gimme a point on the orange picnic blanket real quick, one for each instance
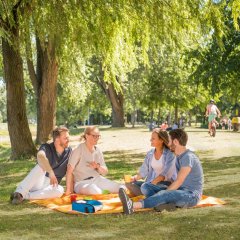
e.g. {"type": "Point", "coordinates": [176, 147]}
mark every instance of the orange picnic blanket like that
{"type": "Point", "coordinates": [111, 203]}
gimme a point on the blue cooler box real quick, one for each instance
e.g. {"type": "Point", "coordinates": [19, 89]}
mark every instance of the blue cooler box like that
{"type": "Point", "coordinates": [87, 206]}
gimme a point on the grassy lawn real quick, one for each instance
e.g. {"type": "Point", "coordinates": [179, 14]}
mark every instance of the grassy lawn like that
{"type": "Point", "coordinates": [222, 177]}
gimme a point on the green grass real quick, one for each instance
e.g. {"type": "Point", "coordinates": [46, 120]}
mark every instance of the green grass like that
{"type": "Point", "coordinates": [222, 177]}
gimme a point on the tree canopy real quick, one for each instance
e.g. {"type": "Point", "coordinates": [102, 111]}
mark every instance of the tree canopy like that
{"type": "Point", "coordinates": [154, 55]}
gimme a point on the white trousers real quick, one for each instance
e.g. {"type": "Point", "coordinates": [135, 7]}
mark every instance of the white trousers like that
{"type": "Point", "coordinates": [96, 185]}
{"type": "Point", "coordinates": [37, 186]}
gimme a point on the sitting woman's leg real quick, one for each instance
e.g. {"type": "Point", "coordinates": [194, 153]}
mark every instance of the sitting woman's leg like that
{"type": "Point", "coordinates": [87, 187]}
{"type": "Point", "coordinates": [106, 184]}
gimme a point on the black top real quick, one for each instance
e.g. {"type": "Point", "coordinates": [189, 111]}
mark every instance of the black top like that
{"type": "Point", "coordinates": [58, 163]}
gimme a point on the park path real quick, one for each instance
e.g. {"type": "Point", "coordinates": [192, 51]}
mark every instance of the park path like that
{"type": "Point", "coordinates": [138, 140]}
{"type": "Point", "coordinates": [4, 139]}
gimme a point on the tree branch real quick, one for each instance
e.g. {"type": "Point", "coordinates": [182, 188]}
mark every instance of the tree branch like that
{"type": "Point", "coordinates": [173, 10]}
{"type": "Point", "coordinates": [32, 74]}
{"type": "Point", "coordinates": [17, 5]}
{"type": "Point", "coordinates": [15, 9]}
{"type": "Point", "coordinates": [102, 85]}
{"type": "Point", "coordinates": [2, 22]}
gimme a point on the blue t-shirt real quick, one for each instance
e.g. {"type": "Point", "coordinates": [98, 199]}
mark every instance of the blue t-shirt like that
{"type": "Point", "coordinates": [194, 180]}
{"type": "Point", "coordinates": [58, 163]}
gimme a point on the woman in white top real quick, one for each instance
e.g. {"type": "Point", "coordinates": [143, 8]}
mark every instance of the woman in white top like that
{"type": "Point", "coordinates": [158, 167]}
{"type": "Point", "coordinates": [86, 167]}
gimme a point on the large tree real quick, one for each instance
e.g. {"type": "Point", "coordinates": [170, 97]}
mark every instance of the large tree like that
{"type": "Point", "coordinates": [20, 135]}
{"type": "Point", "coordinates": [50, 31]}
{"type": "Point", "coordinates": [44, 81]}
{"type": "Point", "coordinates": [118, 32]}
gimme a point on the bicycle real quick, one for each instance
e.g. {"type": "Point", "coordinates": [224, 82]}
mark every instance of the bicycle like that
{"type": "Point", "coordinates": [213, 126]}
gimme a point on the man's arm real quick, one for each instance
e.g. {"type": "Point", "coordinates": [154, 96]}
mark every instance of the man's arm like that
{"type": "Point", "coordinates": [69, 180]}
{"type": "Point", "coordinates": [183, 173]}
{"type": "Point", "coordinates": [45, 165]}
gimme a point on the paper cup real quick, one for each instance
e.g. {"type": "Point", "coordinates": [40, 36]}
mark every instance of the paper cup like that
{"type": "Point", "coordinates": [127, 178]}
{"type": "Point", "coordinates": [73, 197]}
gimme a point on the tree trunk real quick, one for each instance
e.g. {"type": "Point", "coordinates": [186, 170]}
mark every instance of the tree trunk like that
{"type": "Point", "coordinates": [190, 120]}
{"type": "Point", "coordinates": [133, 118]}
{"type": "Point", "coordinates": [47, 91]}
{"type": "Point", "coordinates": [176, 114]}
{"type": "Point", "coordinates": [169, 119]}
{"type": "Point", "coordinates": [45, 85]}
{"type": "Point", "coordinates": [159, 116]}
{"type": "Point", "coordinates": [19, 132]}
{"type": "Point", "coordinates": [116, 100]}
{"type": "Point", "coordinates": [151, 116]}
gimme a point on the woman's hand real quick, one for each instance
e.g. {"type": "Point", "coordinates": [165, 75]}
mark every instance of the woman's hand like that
{"type": "Point", "coordinates": [67, 192]}
{"type": "Point", "coordinates": [94, 165]}
{"type": "Point", "coordinates": [134, 178]}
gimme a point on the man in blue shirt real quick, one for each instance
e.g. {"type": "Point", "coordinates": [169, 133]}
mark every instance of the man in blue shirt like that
{"type": "Point", "coordinates": [185, 191]}
{"type": "Point", "coordinates": [43, 180]}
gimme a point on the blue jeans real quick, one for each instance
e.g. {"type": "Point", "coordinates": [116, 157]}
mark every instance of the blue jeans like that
{"type": "Point", "coordinates": [180, 197]}
{"type": "Point", "coordinates": [149, 189]}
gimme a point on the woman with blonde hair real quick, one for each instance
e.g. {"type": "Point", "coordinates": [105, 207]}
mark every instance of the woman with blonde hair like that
{"type": "Point", "coordinates": [158, 168]}
{"type": "Point", "coordinates": [86, 167]}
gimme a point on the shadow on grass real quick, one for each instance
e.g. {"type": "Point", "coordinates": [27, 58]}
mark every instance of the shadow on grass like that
{"type": "Point", "coordinates": [230, 192]}
{"type": "Point", "coordinates": [222, 177]}
{"type": "Point", "coordinates": [12, 173]}
{"type": "Point", "coordinates": [214, 165]}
